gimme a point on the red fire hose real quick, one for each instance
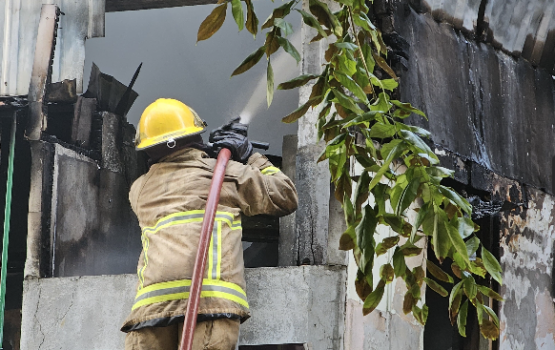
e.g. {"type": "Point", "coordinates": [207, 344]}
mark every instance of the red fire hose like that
{"type": "Point", "coordinates": [202, 251]}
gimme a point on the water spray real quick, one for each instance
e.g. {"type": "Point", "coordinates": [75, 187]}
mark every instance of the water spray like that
{"type": "Point", "coordinates": [280, 63]}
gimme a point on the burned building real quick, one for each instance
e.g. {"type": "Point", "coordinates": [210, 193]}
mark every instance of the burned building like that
{"type": "Point", "coordinates": [481, 70]}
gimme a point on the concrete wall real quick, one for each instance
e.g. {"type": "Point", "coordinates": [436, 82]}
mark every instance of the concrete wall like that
{"type": "Point", "coordinates": [288, 305]}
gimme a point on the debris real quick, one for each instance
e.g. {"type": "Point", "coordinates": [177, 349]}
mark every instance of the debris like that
{"type": "Point", "coordinates": [108, 91]}
{"type": "Point", "coordinates": [62, 92]}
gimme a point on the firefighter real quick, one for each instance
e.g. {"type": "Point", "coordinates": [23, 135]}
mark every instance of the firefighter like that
{"type": "Point", "coordinates": [169, 202]}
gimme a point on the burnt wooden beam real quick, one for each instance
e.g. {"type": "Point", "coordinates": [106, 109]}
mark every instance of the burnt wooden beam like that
{"type": "Point", "coordinates": [131, 5]}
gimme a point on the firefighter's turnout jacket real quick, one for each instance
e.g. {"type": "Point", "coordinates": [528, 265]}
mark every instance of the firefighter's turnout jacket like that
{"type": "Point", "coordinates": [169, 202]}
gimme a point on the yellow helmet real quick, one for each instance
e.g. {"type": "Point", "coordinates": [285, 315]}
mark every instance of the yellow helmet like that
{"type": "Point", "coordinates": [165, 120]}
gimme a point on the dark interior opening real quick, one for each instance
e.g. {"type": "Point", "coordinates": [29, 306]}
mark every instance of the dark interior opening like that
{"type": "Point", "coordinates": [439, 334]}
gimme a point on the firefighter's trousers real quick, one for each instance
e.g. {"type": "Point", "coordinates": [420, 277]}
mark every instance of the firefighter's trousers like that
{"type": "Point", "coordinates": [219, 334]}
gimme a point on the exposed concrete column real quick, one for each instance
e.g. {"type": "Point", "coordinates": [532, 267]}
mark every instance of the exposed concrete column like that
{"type": "Point", "coordinates": [313, 219]}
{"type": "Point", "coordinates": [288, 246]}
{"type": "Point", "coordinates": [41, 163]}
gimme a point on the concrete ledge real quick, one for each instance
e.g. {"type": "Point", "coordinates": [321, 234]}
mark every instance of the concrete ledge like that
{"type": "Point", "coordinates": [288, 305]}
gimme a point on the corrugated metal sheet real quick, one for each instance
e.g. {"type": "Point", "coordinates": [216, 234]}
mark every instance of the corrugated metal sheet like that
{"type": "Point", "coordinates": [18, 32]}
{"type": "Point", "coordinates": [520, 27]}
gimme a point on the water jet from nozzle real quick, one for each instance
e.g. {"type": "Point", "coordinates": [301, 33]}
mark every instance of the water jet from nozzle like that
{"type": "Point", "coordinates": [280, 64]}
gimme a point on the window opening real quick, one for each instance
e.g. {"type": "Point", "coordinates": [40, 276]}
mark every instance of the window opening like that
{"type": "Point", "coordinates": [439, 334]}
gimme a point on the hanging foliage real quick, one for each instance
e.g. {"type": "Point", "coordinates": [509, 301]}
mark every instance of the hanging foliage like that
{"type": "Point", "coordinates": [353, 104]}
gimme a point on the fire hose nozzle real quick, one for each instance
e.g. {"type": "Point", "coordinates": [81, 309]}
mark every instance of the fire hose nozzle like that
{"type": "Point", "coordinates": [260, 145]}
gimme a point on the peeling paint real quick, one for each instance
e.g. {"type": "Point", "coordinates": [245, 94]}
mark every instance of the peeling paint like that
{"type": "Point", "coordinates": [545, 330]}
{"type": "Point", "coordinates": [527, 239]}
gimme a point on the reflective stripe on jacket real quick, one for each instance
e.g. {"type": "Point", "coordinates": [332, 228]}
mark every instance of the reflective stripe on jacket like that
{"type": "Point", "coordinates": [169, 202]}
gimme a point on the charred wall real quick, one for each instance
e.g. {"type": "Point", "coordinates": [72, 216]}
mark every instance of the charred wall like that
{"type": "Point", "coordinates": [482, 104]}
{"type": "Point", "coordinates": [492, 119]}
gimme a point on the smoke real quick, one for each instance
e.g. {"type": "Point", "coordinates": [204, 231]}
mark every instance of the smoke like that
{"type": "Point", "coordinates": [280, 65]}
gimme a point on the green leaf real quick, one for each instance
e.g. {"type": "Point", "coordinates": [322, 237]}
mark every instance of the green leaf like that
{"type": "Point", "coordinates": [346, 46]}
{"type": "Point", "coordinates": [387, 274]}
{"type": "Point", "coordinates": [364, 22]}
{"type": "Point", "coordinates": [297, 113]}
{"type": "Point", "coordinates": [382, 130]}
{"type": "Point", "coordinates": [407, 196]}
{"type": "Point", "coordinates": [351, 85]}
{"type": "Point", "coordinates": [492, 314]}
{"type": "Point", "coordinates": [311, 21]}
{"type": "Point", "coordinates": [368, 57]}
{"type": "Point", "coordinates": [394, 153]}
{"type": "Point", "coordinates": [237, 11]}
{"type": "Point", "coordinates": [437, 272]}
{"type": "Point", "coordinates": [289, 48]}
{"type": "Point", "coordinates": [492, 265]}
{"type": "Point", "coordinates": [386, 244]}
{"type": "Point", "coordinates": [325, 17]}
{"type": "Point", "coordinates": [472, 245]}
{"type": "Point", "coordinates": [271, 43]}
{"type": "Point", "coordinates": [296, 82]}
{"type": "Point", "coordinates": [252, 20]}
{"type": "Point", "coordinates": [420, 131]}
{"type": "Point", "coordinates": [269, 84]}
{"type": "Point", "coordinates": [460, 261]}
{"type": "Point", "coordinates": [439, 173]}
{"type": "Point", "coordinates": [212, 23]}
{"type": "Point", "coordinates": [250, 61]}
{"type": "Point", "coordinates": [347, 240]}
{"type": "Point", "coordinates": [365, 238]}
{"type": "Point", "coordinates": [421, 315]}
{"type": "Point", "coordinates": [279, 12]}
{"type": "Point", "coordinates": [381, 194]}
{"type": "Point", "coordinates": [345, 65]}
{"type": "Point", "coordinates": [389, 84]}
{"type": "Point", "coordinates": [399, 264]}
{"type": "Point", "coordinates": [361, 191]}
{"type": "Point", "coordinates": [436, 226]}
{"type": "Point", "coordinates": [470, 287]}
{"type": "Point", "coordinates": [436, 287]}
{"type": "Point", "coordinates": [457, 241]}
{"type": "Point", "coordinates": [455, 198]}
{"type": "Point", "coordinates": [408, 107]}
{"type": "Point", "coordinates": [286, 27]}
{"type": "Point", "coordinates": [383, 65]}
{"type": "Point", "coordinates": [372, 300]}
{"type": "Point", "coordinates": [382, 103]}
{"type": "Point", "coordinates": [417, 142]}
{"type": "Point", "coordinates": [422, 213]}
{"type": "Point", "coordinates": [394, 221]}
{"type": "Point", "coordinates": [461, 319]}
{"type": "Point", "coordinates": [457, 290]}
{"type": "Point", "coordinates": [346, 2]}
{"type": "Point", "coordinates": [362, 119]}
{"type": "Point", "coordinates": [346, 101]}
{"type": "Point", "coordinates": [489, 293]}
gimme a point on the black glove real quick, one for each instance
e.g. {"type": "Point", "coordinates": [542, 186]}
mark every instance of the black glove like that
{"type": "Point", "coordinates": [233, 136]}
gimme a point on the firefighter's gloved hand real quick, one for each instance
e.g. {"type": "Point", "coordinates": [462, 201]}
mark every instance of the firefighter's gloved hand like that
{"type": "Point", "coordinates": [233, 136]}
